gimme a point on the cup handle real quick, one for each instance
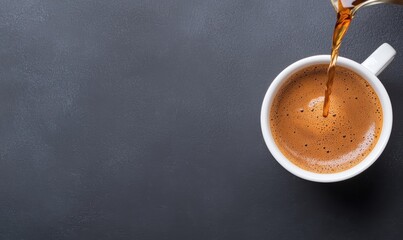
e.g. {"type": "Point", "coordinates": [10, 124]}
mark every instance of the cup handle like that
{"type": "Point", "coordinates": [380, 59]}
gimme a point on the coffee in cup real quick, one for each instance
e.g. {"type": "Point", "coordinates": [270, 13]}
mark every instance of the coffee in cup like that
{"type": "Point", "coordinates": [355, 133]}
{"type": "Point", "coordinates": [325, 144]}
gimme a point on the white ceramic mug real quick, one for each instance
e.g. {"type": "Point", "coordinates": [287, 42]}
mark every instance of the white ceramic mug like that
{"type": "Point", "coordinates": [369, 70]}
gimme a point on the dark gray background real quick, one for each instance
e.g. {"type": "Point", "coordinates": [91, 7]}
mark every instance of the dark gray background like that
{"type": "Point", "coordinates": [140, 120]}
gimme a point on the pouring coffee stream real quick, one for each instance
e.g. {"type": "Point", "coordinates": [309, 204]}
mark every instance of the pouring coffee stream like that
{"type": "Point", "coordinates": [346, 10]}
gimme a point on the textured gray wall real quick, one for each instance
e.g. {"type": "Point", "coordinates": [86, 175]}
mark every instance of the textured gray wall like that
{"type": "Point", "coordinates": [139, 119]}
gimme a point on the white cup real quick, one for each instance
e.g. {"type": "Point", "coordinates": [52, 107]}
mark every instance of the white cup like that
{"type": "Point", "coordinates": [369, 70]}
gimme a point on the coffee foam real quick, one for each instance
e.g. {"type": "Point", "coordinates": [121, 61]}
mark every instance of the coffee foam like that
{"type": "Point", "coordinates": [337, 142]}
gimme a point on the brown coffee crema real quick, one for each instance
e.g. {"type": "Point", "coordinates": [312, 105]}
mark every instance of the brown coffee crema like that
{"type": "Point", "coordinates": [326, 144]}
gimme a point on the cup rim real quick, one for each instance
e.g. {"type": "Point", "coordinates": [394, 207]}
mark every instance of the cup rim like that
{"type": "Point", "coordinates": [368, 160]}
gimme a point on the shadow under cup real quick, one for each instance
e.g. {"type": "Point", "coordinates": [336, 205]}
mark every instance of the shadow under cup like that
{"type": "Point", "coordinates": [355, 67]}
